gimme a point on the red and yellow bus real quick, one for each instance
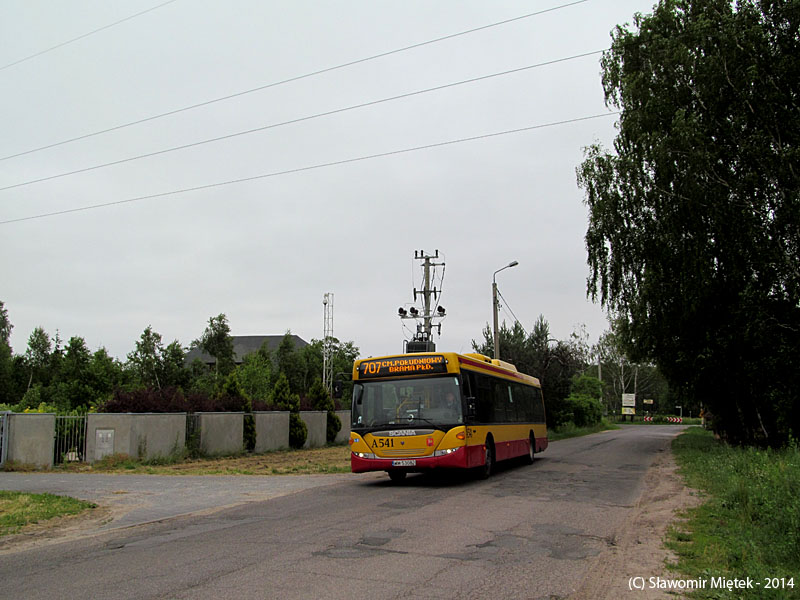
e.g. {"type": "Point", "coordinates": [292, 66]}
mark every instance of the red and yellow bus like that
{"type": "Point", "coordinates": [416, 412]}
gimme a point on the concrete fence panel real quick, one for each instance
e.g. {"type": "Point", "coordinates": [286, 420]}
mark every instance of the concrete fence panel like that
{"type": "Point", "coordinates": [317, 423]}
{"type": "Point", "coordinates": [221, 433]}
{"type": "Point", "coordinates": [344, 432]}
{"type": "Point", "coordinates": [31, 439]}
{"type": "Point", "coordinates": [159, 435]}
{"type": "Point", "coordinates": [139, 435]}
{"type": "Point", "coordinates": [272, 430]}
{"type": "Point", "coordinates": [109, 433]}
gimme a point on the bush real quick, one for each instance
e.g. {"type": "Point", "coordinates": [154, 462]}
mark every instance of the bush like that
{"type": "Point", "coordinates": [298, 431]}
{"type": "Point", "coordinates": [319, 397]}
{"type": "Point", "coordinates": [585, 410]}
{"type": "Point", "coordinates": [147, 400]}
{"type": "Point", "coordinates": [334, 426]}
{"type": "Point", "coordinates": [249, 432]}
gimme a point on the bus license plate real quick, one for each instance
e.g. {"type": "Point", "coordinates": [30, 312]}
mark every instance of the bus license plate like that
{"type": "Point", "coordinates": [404, 463]}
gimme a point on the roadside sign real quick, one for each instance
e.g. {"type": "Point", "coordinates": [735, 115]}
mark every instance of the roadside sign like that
{"type": "Point", "coordinates": [627, 410]}
{"type": "Point", "coordinates": [648, 401]}
{"type": "Point", "coordinates": [628, 399]}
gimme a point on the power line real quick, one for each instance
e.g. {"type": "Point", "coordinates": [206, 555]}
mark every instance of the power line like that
{"type": "Point", "coordinates": [291, 79]}
{"type": "Point", "coordinates": [85, 35]}
{"type": "Point", "coordinates": [298, 120]}
{"type": "Point", "coordinates": [308, 168]}
{"type": "Point", "coordinates": [506, 306]}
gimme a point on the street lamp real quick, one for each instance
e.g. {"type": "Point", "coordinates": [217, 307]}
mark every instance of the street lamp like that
{"type": "Point", "coordinates": [495, 307]}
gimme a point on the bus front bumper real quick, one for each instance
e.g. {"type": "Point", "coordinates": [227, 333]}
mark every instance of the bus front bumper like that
{"type": "Point", "coordinates": [457, 459]}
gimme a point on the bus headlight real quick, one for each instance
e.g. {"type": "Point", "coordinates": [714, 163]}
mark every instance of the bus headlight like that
{"type": "Point", "coordinates": [444, 452]}
{"type": "Point", "coordinates": [364, 454]}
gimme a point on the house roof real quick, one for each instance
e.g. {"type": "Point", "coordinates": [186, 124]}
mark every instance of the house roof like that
{"type": "Point", "coordinates": [244, 345]}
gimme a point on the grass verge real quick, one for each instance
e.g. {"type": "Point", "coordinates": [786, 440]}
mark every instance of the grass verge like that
{"type": "Point", "coordinates": [310, 461]}
{"type": "Point", "coordinates": [749, 523]}
{"type": "Point", "coordinates": [18, 509]}
{"type": "Point", "coordinates": [569, 430]}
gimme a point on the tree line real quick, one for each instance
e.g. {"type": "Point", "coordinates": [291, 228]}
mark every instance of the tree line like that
{"type": "Point", "coordinates": [693, 239]}
{"type": "Point", "coordinates": [65, 377]}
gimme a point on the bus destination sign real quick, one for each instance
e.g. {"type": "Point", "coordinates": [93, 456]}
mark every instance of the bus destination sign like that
{"type": "Point", "coordinates": [411, 365]}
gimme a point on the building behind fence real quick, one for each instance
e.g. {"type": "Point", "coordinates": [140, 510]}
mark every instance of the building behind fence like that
{"type": "Point", "coordinates": [44, 440]}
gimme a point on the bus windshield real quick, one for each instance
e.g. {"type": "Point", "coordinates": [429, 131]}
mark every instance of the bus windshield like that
{"type": "Point", "coordinates": [431, 401]}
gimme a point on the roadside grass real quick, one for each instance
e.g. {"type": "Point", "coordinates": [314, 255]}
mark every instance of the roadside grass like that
{"type": "Point", "coordinates": [309, 461]}
{"type": "Point", "coordinates": [749, 523]}
{"type": "Point", "coordinates": [569, 430]}
{"type": "Point", "coordinates": [18, 509]}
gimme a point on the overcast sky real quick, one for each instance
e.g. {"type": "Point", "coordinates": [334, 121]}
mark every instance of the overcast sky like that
{"type": "Point", "coordinates": [265, 251]}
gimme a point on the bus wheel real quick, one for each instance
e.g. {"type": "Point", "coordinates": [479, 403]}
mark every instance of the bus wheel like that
{"type": "Point", "coordinates": [397, 475]}
{"type": "Point", "coordinates": [531, 450]}
{"type": "Point", "coordinates": [488, 460]}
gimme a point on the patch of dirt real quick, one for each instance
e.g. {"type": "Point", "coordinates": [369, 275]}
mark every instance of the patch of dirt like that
{"type": "Point", "coordinates": [312, 460]}
{"type": "Point", "coordinates": [283, 462]}
{"type": "Point", "coordinates": [64, 528]}
{"type": "Point", "coordinates": [639, 550]}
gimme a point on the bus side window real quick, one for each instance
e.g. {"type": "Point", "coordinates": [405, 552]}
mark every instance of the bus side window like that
{"type": "Point", "coordinates": [469, 391]}
{"type": "Point", "coordinates": [484, 396]}
{"type": "Point", "coordinates": [501, 403]}
{"type": "Point", "coordinates": [538, 406]}
{"type": "Point", "coordinates": [526, 404]}
{"type": "Point", "coordinates": [517, 402]}
{"type": "Point", "coordinates": [468, 384]}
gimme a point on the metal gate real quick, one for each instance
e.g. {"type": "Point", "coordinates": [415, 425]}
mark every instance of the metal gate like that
{"type": "Point", "coordinates": [4, 419]}
{"type": "Point", "coordinates": [70, 440]}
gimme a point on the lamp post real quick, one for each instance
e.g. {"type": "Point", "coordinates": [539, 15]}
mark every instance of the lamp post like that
{"type": "Point", "coordinates": [495, 306]}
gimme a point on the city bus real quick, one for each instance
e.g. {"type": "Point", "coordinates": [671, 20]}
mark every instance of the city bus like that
{"type": "Point", "coordinates": [417, 412]}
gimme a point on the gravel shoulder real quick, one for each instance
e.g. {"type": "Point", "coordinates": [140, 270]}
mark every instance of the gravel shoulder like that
{"type": "Point", "coordinates": [638, 548]}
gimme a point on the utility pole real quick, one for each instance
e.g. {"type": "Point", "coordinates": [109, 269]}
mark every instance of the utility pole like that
{"type": "Point", "coordinates": [327, 343]}
{"type": "Point", "coordinates": [426, 292]}
{"type": "Point", "coordinates": [423, 339]}
{"type": "Point", "coordinates": [496, 307]}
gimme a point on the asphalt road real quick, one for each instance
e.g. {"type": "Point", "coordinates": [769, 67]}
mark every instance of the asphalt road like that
{"type": "Point", "coordinates": [527, 532]}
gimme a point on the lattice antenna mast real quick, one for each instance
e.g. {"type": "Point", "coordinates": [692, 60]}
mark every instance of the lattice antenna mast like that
{"type": "Point", "coordinates": [327, 342]}
{"type": "Point", "coordinates": [423, 338]}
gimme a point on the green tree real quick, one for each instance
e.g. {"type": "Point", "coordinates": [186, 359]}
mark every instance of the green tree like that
{"type": "Point", "coordinates": [5, 325]}
{"type": "Point", "coordinates": [291, 363]}
{"type": "Point", "coordinates": [7, 391]}
{"type": "Point", "coordinates": [105, 374]}
{"type": "Point", "coordinates": [254, 375]}
{"type": "Point", "coordinates": [38, 357]}
{"type": "Point", "coordinates": [173, 371]}
{"type": "Point", "coordinates": [145, 360]}
{"type": "Point", "coordinates": [218, 342]}
{"type": "Point", "coordinates": [342, 357]}
{"type": "Point", "coordinates": [282, 396]}
{"type": "Point", "coordinates": [71, 388]}
{"type": "Point", "coordinates": [693, 238]}
{"type": "Point", "coordinates": [284, 399]}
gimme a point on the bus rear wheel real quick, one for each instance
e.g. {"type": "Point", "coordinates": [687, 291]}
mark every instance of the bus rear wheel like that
{"type": "Point", "coordinates": [488, 460]}
{"type": "Point", "coordinates": [531, 450]}
{"type": "Point", "coordinates": [397, 476]}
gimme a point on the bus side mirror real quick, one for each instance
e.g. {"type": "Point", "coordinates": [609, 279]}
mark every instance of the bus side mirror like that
{"type": "Point", "coordinates": [471, 408]}
{"type": "Point", "coordinates": [337, 389]}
